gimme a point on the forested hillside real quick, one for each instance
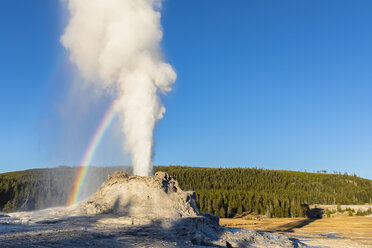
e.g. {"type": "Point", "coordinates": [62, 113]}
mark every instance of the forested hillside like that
{"type": "Point", "coordinates": [41, 188]}
{"type": "Point", "coordinates": [224, 192]}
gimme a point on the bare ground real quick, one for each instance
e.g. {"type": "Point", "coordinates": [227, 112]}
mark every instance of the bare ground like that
{"type": "Point", "coordinates": [338, 231]}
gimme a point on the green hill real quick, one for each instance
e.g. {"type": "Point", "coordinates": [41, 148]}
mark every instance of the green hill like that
{"type": "Point", "coordinates": [226, 192]}
{"type": "Point", "coordinates": [223, 192]}
{"type": "Point", "coordinates": [41, 188]}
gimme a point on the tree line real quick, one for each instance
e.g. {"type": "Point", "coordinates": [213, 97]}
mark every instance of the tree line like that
{"type": "Point", "coordinates": [42, 188]}
{"type": "Point", "coordinates": [231, 191]}
{"type": "Point", "coordinates": [223, 192]}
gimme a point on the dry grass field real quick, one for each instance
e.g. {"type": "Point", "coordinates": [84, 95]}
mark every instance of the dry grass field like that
{"type": "Point", "coordinates": [337, 231]}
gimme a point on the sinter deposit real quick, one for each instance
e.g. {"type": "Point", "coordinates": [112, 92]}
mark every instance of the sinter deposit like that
{"type": "Point", "coordinates": [157, 197]}
{"type": "Point", "coordinates": [131, 211]}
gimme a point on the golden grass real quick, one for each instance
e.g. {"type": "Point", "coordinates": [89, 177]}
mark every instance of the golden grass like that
{"type": "Point", "coordinates": [354, 231]}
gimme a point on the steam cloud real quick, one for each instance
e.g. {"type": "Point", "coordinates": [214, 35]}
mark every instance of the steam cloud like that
{"type": "Point", "coordinates": [116, 44]}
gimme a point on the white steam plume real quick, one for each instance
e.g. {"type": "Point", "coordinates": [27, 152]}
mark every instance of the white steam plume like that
{"type": "Point", "coordinates": [116, 44]}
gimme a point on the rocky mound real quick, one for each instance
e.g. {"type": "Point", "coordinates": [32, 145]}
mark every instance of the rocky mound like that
{"type": "Point", "coordinates": [158, 197]}
{"type": "Point", "coordinates": [152, 201]}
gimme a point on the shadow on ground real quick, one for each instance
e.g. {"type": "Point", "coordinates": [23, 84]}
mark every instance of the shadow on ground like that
{"type": "Point", "coordinates": [83, 231]}
{"type": "Point", "coordinates": [314, 214]}
{"type": "Point", "coordinates": [109, 230]}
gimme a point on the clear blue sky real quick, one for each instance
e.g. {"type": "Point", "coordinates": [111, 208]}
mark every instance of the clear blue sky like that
{"type": "Point", "coordinates": [273, 84]}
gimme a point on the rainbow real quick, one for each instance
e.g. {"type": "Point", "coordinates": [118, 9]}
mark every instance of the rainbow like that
{"type": "Point", "coordinates": [88, 155]}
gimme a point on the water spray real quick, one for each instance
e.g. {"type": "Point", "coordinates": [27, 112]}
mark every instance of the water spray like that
{"type": "Point", "coordinates": [116, 44]}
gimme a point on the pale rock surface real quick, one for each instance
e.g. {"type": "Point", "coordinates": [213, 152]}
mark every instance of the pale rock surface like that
{"type": "Point", "coordinates": [158, 197]}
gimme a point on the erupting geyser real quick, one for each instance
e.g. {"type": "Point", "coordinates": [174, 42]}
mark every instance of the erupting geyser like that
{"type": "Point", "coordinates": [116, 44]}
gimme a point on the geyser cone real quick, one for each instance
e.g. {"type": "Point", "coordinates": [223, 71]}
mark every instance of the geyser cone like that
{"type": "Point", "coordinates": [158, 197]}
